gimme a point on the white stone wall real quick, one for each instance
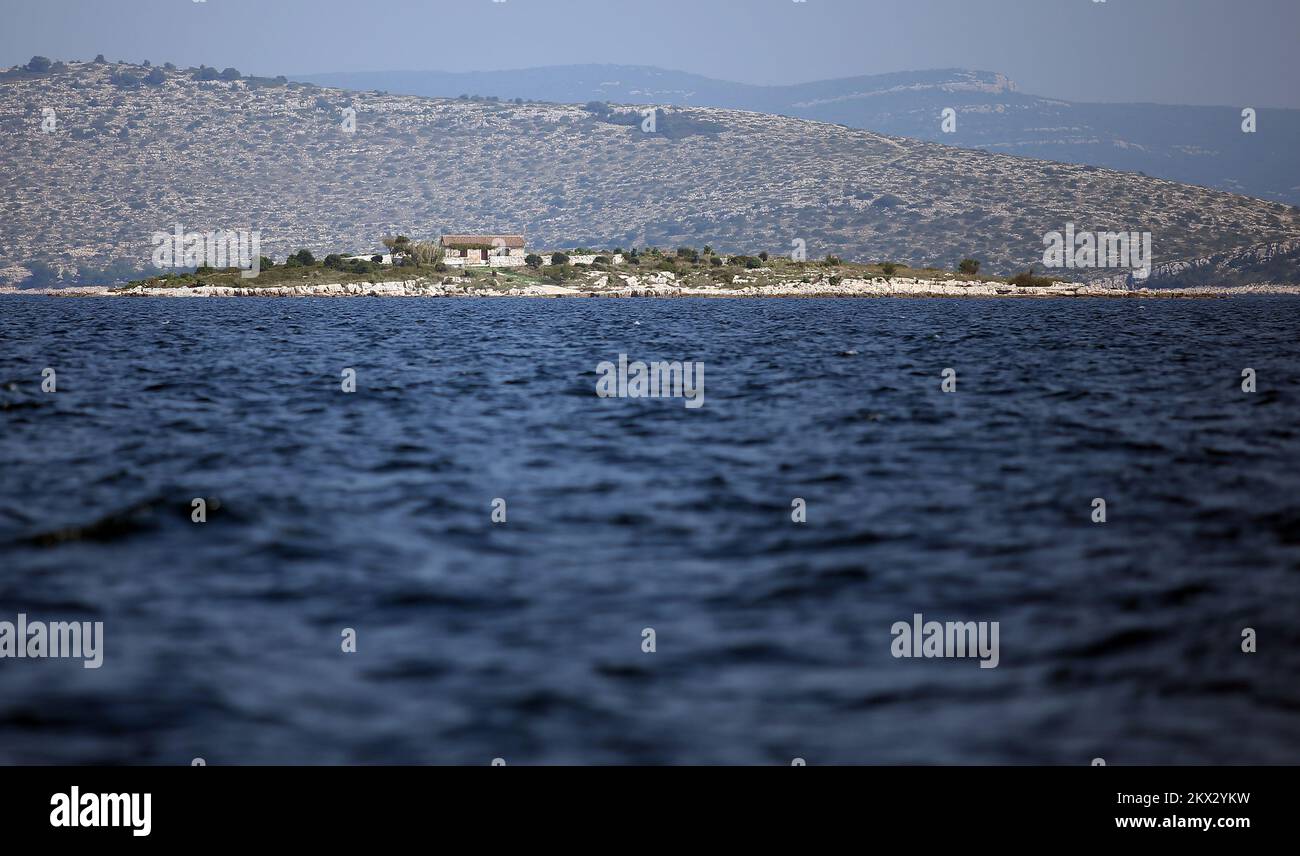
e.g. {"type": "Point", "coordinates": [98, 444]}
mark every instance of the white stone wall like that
{"type": "Point", "coordinates": [496, 258]}
{"type": "Point", "coordinates": [512, 260]}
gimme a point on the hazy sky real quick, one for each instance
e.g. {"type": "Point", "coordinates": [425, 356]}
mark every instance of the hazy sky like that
{"type": "Point", "coordinates": [1232, 52]}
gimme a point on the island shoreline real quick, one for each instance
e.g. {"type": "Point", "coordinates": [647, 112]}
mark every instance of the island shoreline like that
{"type": "Point", "coordinates": [849, 288]}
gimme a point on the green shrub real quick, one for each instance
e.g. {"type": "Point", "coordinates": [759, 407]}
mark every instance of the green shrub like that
{"type": "Point", "coordinates": [969, 266]}
{"type": "Point", "coordinates": [1026, 279]}
{"type": "Point", "coordinates": [125, 80]}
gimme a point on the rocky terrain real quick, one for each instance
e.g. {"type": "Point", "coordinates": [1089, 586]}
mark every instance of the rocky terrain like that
{"type": "Point", "coordinates": [128, 158]}
{"type": "Point", "coordinates": [1197, 145]}
{"type": "Point", "coordinates": [667, 285]}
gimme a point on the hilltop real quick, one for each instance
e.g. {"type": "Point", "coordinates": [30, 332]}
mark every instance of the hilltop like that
{"type": "Point", "coordinates": [139, 150]}
{"type": "Point", "coordinates": [1197, 145]}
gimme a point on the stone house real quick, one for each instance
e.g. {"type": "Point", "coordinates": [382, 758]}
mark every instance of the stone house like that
{"type": "Point", "coordinates": [483, 250]}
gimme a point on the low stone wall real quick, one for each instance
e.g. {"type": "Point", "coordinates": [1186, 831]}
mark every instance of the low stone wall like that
{"type": "Point", "coordinates": [491, 261]}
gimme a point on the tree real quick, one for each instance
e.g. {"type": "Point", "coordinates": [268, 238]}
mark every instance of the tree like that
{"type": "Point", "coordinates": [334, 261]}
{"type": "Point", "coordinates": [205, 73]}
{"type": "Point", "coordinates": [399, 245]}
{"type": "Point", "coordinates": [559, 259]}
{"type": "Point", "coordinates": [230, 74]}
{"type": "Point", "coordinates": [305, 258]}
{"type": "Point", "coordinates": [888, 268]}
{"type": "Point", "coordinates": [265, 263]}
{"type": "Point", "coordinates": [377, 258]}
{"type": "Point", "coordinates": [38, 65]}
{"type": "Point", "coordinates": [969, 266]}
{"type": "Point", "coordinates": [425, 252]}
{"type": "Point", "coordinates": [99, 59]}
{"type": "Point", "coordinates": [533, 260]}
{"type": "Point", "coordinates": [155, 77]}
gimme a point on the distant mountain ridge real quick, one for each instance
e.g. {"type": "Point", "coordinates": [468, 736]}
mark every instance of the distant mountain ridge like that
{"type": "Point", "coordinates": [98, 158]}
{"type": "Point", "coordinates": [1195, 145]}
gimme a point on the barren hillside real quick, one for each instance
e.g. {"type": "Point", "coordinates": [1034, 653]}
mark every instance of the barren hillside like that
{"type": "Point", "coordinates": [128, 158]}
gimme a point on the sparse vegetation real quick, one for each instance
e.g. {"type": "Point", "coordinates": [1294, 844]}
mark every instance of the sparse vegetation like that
{"type": "Point", "coordinates": [756, 182]}
{"type": "Point", "coordinates": [302, 268]}
{"type": "Point", "coordinates": [1026, 279]}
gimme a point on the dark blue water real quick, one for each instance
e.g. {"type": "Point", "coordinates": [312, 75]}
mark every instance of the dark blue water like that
{"type": "Point", "coordinates": [523, 640]}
